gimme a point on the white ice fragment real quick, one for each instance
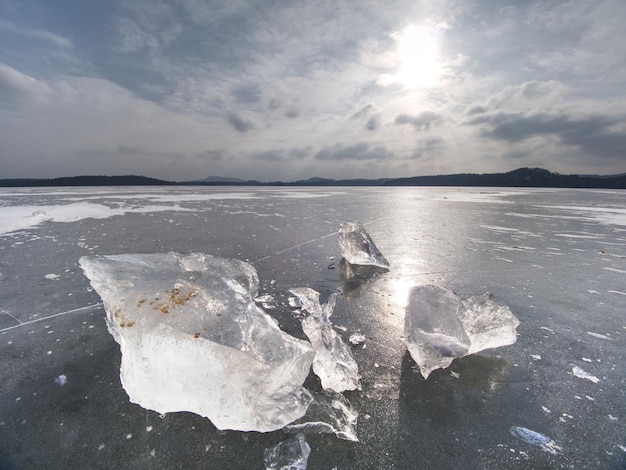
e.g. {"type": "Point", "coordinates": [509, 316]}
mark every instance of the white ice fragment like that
{"type": "Point", "coordinates": [599, 335]}
{"type": "Point", "coordinates": [545, 409]}
{"type": "Point", "coordinates": [333, 362]}
{"type": "Point", "coordinates": [581, 374]}
{"type": "Point", "coordinates": [52, 277]}
{"type": "Point", "coordinates": [264, 299]}
{"type": "Point", "coordinates": [536, 439]}
{"type": "Point", "coordinates": [456, 375]}
{"type": "Point", "coordinates": [623, 448]}
{"type": "Point", "coordinates": [586, 359]}
{"type": "Point", "coordinates": [291, 454]}
{"type": "Point", "coordinates": [192, 339]}
{"type": "Point", "coordinates": [60, 380]}
{"type": "Point", "coordinates": [357, 247]}
{"type": "Point", "coordinates": [441, 326]}
{"type": "Point", "coordinates": [294, 302]}
{"type": "Point", "coordinates": [613, 418]}
{"type": "Point", "coordinates": [330, 412]}
{"type": "Point", "coordinates": [536, 357]}
{"type": "Point", "coordinates": [357, 338]}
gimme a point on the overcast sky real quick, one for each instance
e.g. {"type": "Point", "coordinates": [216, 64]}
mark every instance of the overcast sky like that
{"type": "Point", "coordinates": [283, 90]}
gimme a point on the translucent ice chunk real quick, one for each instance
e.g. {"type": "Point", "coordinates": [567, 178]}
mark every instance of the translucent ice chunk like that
{"type": "Point", "coordinates": [333, 363]}
{"type": "Point", "coordinates": [441, 326]}
{"type": "Point", "coordinates": [291, 454]}
{"type": "Point", "coordinates": [536, 439]}
{"type": "Point", "coordinates": [192, 339]}
{"type": "Point", "coordinates": [330, 412]}
{"type": "Point", "coordinates": [357, 247]}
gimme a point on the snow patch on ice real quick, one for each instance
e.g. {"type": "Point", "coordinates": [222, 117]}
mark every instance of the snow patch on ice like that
{"type": "Point", "coordinates": [16, 218]}
{"type": "Point", "coordinates": [599, 335]}
{"type": "Point", "coordinates": [581, 374]}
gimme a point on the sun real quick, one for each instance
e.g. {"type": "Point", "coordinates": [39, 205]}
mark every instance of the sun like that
{"type": "Point", "coordinates": [417, 56]}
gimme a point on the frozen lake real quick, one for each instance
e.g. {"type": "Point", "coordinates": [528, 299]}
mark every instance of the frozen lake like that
{"type": "Point", "coordinates": [556, 257]}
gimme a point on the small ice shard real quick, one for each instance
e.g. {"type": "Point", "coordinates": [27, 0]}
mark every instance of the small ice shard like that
{"type": "Point", "coordinates": [357, 338]}
{"type": "Point", "coordinates": [357, 247]}
{"type": "Point", "coordinates": [536, 439]}
{"type": "Point", "coordinates": [192, 339]}
{"type": "Point", "coordinates": [599, 335]}
{"type": "Point", "coordinates": [441, 326]}
{"type": "Point", "coordinates": [291, 454]}
{"type": "Point", "coordinates": [61, 380]}
{"type": "Point", "coordinates": [330, 412]}
{"type": "Point", "coordinates": [294, 302]}
{"type": "Point", "coordinates": [581, 374]}
{"type": "Point", "coordinates": [52, 277]}
{"type": "Point", "coordinates": [333, 363]}
{"type": "Point", "coordinates": [264, 299]}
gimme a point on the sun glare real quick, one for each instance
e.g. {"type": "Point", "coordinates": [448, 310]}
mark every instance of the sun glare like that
{"type": "Point", "coordinates": [418, 57]}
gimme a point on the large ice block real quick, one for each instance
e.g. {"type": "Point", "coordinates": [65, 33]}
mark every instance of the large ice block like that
{"type": "Point", "coordinates": [441, 326]}
{"type": "Point", "coordinates": [333, 363]}
{"type": "Point", "coordinates": [357, 247]}
{"type": "Point", "coordinates": [192, 339]}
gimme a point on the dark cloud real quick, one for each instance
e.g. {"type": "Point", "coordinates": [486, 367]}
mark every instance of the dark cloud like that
{"type": "Point", "coordinates": [476, 110]}
{"type": "Point", "coordinates": [422, 121]}
{"type": "Point", "coordinates": [133, 151]}
{"type": "Point", "coordinates": [274, 103]}
{"type": "Point", "coordinates": [373, 123]}
{"type": "Point", "coordinates": [360, 151]}
{"type": "Point", "coordinates": [292, 113]}
{"type": "Point", "coordinates": [247, 93]}
{"type": "Point", "coordinates": [213, 155]}
{"type": "Point", "coordinates": [363, 112]}
{"type": "Point", "coordinates": [239, 124]}
{"type": "Point", "coordinates": [594, 135]}
{"type": "Point", "coordinates": [427, 147]}
{"type": "Point", "coordinates": [282, 155]}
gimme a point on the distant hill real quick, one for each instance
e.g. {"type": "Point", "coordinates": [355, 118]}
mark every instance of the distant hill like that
{"type": "Point", "coordinates": [522, 177]}
{"type": "Point", "coordinates": [217, 180]}
{"type": "Point", "coordinates": [126, 180]}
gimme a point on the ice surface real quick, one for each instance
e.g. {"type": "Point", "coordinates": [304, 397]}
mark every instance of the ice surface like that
{"type": "Point", "coordinates": [441, 326]}
{"type": "Point", "coordinates": [291, 454]}
{"type": "Point", "coordinates": [333, 363]}
{"type": "Point", "coordinates": [330, 412]}
{"type": "Point", "coordinates": [357, 247]}
{"type": "Point", "coordinates": [192, 339]}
